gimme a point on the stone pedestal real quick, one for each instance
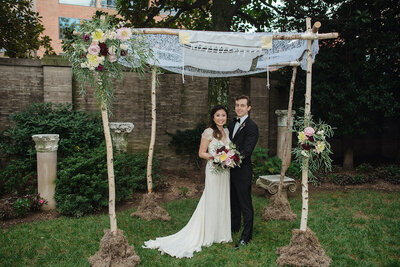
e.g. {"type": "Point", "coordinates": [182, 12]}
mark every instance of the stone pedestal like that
{"type": "Point", "coordinates": [119, 132]}
{"type": "Point", "coordinates": [282, 120]}
{"type": "Point", "coordinates": [271, 184]}
{"type": "Point", "coordinates": [46, 148]}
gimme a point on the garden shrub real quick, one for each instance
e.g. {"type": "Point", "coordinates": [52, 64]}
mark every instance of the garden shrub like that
{"type": "Point", "coordinates": [389, 173]}
{"type": "Point", "coordinates": [17, 206]}
{"type": "Point", "coordinates": [19, 177]}
{"type": "Point", "coordinates": [188, 141]}
{"type": "Point", "coordinates": [366, 173]}
{"type": "Point", "coordinates": [78, 130]}
{"type": "Point", "coordinates": [82, 182]}
{"type": "Point", "coordinates": [78, 133]}
{"type": "Point", "coordinates": [266, 165]}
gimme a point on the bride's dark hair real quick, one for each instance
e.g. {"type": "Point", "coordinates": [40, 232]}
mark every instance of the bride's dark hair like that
{"type": "Point", "coordinates": [216, 132]}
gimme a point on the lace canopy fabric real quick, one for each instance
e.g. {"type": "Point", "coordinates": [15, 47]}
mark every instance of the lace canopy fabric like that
{"type": "Point", "coordinates": [224, 54]}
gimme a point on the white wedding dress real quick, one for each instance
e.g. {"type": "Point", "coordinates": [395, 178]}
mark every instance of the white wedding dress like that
{"type": "Point", "coordinates": [211, 221]}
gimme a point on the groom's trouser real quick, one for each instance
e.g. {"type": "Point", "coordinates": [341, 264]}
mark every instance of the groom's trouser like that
{"type": "Point", "coordinates": [241, 202]}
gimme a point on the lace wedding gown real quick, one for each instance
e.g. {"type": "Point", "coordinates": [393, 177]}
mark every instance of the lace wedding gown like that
{"type": "Point", "coordinates": [211, 221]}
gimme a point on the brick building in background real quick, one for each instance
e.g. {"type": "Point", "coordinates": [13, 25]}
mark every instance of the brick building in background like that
{"type": "Point", "coordinates": [59, 14]}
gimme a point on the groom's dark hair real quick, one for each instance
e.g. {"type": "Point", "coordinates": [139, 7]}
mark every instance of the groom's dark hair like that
{"type": "Point", "coordinates": [244, 97]}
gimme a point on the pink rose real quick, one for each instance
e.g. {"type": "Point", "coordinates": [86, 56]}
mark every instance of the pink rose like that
{"type": "Point", "coordinates": [112, 57]}
{"type": "Point", "coordinates": [94, 49]}
{"type": "Point", "coordinates": [41, 201]}
{"type": "Point", "coordinates": [309, 131]}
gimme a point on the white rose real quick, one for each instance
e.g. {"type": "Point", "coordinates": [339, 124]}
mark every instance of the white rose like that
{"type": "Point", "coordinates": [124, 46]}
{"type": "Point", "coordinates": [112, 49]}
{"type": "Point", "coordinates": [304, 153]}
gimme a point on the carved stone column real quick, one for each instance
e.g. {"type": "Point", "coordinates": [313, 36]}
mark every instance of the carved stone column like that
{"type": "Point", "coordinates": [282, 120]}
{"type": "Point", "coordinates": [46, 153]}
{"type": "Point", "coordinates": [119, 132]}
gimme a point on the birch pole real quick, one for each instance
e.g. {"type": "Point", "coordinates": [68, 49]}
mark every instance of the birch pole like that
{"type": "Point", "coordinates": [286, 142]}
{"type": "Point", "coordinates": [307, 112]}
{"type": "Point", "coordinates": [153, 130]}
{"type": "Point", "coordinates": [110, 169]}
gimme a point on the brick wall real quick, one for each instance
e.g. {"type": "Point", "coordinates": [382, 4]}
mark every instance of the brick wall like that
{"type": "Point", "coordinates": [180, 105]}
{"type": "Point", "coordinates": [21, 83]}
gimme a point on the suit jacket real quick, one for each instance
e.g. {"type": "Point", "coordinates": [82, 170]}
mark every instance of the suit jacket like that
{"type": "Point", "coordinates": [245, 139]}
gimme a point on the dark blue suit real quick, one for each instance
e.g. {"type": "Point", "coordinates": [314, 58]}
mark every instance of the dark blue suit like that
{"type": "Point", "coordinates": [241, 178]}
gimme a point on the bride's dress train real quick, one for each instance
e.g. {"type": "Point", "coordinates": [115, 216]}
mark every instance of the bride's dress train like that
{"type": "Point", "coordinates": [210, 222]}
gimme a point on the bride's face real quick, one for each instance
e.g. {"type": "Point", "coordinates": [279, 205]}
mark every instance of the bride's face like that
{"type": "Point", "coordinates": [220, 117]}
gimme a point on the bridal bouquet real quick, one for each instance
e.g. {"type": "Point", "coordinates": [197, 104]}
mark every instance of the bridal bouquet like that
{"type": "Point", "coordinates": [226, 157]}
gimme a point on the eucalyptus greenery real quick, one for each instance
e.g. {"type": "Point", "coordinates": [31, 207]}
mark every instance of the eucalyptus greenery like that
{"type": "Point", "coordinates": [95, 49]}
{"type": "Point", "coordinates": [312, 145]}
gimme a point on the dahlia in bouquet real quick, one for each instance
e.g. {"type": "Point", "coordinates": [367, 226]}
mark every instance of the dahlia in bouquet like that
{"type": "Point", "coordinates": [226, 157]}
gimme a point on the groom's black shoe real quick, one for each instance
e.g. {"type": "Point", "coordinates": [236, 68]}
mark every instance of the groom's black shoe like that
{"type": "Point", "coordinates": [240, 244]}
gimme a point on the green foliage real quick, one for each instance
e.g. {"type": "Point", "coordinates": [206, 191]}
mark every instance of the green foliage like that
{"type": "Point", "coordinates": [82, 182]}
{"type": "Point", "coordinates": [188, 141]}
{"type": "Point", "coordinates": [21, 29]}
{"type": "Point", "coordinates": [18, 206]}
{"type": "Point", "coordinates": [265, 165]}
{"type": "Point", "coordinates": [355, 95]}
{"type": "Point", "coordinates": [198, 15]}
{"type": "Point", "coordinates": [19, 177]}
{"type": "Point", "coordinates": [21, 206]}
{"type": "Point", "coordinates": [78, 131]}
{"type": "Point", "coordinates": [364, 173]}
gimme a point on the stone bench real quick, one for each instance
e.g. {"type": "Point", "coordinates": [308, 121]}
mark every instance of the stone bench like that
{"type": "Point", "coordinates": [271, 184]}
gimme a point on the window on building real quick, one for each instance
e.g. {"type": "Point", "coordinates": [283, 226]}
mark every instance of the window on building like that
{"type": "Point", "coordinates": [92, 3]}
{"type": "Point", "coordinates": [78, 2]}
{"type": "Point", "coordinates": [65, 23]}
{"type": "Point", "coordinates": [109, 3]}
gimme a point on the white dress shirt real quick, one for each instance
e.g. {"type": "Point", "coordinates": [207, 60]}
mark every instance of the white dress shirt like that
{"type": "Point", "coordinates": [237, 125]}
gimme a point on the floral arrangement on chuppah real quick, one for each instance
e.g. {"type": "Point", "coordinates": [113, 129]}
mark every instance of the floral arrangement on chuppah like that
{"type": "Point", "coordinates": [95, 49]}
{"type": "Point", "coordinates": [313, 145]}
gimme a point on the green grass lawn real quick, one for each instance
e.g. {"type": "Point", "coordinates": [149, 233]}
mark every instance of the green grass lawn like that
{"type": "Point", "coordinates": [356, 228]}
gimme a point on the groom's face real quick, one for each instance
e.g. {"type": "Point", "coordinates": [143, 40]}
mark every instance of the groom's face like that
{"type": "Point", "coordinates": [241, 107]}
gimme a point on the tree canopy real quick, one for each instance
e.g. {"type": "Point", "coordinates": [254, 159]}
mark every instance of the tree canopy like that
{"type": "Point", "coordinates": [21, 29]}
{"type": "Point", "coordinates": [355, 77]}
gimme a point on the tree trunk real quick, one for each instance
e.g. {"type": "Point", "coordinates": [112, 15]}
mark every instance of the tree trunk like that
{"type": "Point", "coordinates": [153, 130]}
{"type": "Point", "coordinates": [348, 159]}
{"type": "Point", "coordinates": [218, 92]}
{"type": "Point", "coordinates": [286, 143]}
{"type": "Point", "coordinates": [218, 88]}
{"type": "Point", "coordinates": [110, 169]}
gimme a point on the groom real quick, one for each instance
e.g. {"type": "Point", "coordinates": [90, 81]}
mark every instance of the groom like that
{"type": "Point", "coordinates": [244, 134]}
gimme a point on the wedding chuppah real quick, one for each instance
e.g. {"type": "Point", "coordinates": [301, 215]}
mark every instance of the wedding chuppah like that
{"type": "Point", "coordinates": [206, 54]}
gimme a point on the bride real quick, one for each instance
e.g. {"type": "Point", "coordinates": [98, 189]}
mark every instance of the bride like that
{"type": "Point", "coordinates": [211, 221]}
